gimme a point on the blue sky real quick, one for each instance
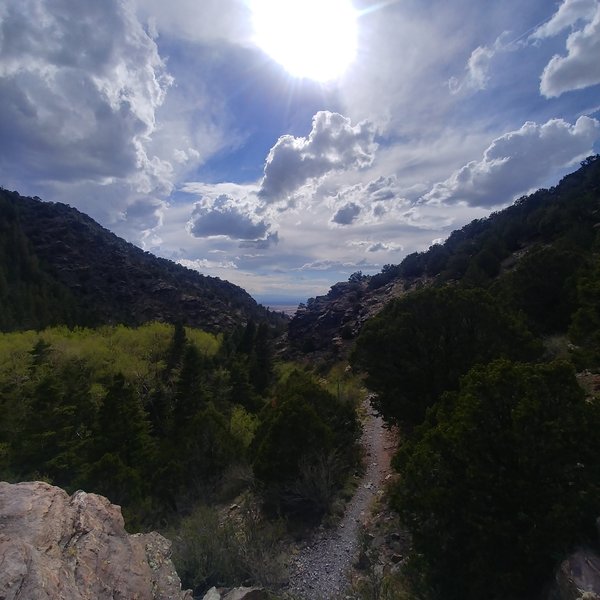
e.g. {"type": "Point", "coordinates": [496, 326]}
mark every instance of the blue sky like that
{"type": "Point", "coordinates": [176, 126]}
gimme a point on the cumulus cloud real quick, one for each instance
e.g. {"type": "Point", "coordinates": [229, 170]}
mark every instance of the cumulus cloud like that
{"type": "Point", "coordinates": [377, 246]}
{"type": "Point", "coordinates": [347, 214]}
{"type": "Point", "coordinates": [477, 76]}
{"type": "Point", "coordinates": [382, 188]}
{"type": "Point", "coordinates": [568, 14]}
{"type": "Point", "coordinates": [371, 200]}
{"type": "Point", "coordinates": [223, 216]}
{"type": "Point", "coordinates": [518, 162]}
{"type": "Point", "coordinates": [333, 144]}
{"type": "Point", "coordinates": [80, 84]}
{"type": "Point", "coordinates": [381, 247]}
{"type": "Point", "coordinates": [580, 67]}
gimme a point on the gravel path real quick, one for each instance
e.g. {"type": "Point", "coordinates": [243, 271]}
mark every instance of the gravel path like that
{"type": "Point", "coordinates": [320, 570]}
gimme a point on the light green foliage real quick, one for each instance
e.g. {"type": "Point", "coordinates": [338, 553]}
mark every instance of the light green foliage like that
{"type": "Point", "coordinates": [98, 409]}
{"type": "Point", "coordinates": [345, 384]}
{"type": "Point", "coordinates": [243, 425]}
{"type": "Point", "coordinates": [206, 343]}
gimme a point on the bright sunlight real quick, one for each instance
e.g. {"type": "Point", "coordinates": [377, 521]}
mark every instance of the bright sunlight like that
{"type": "Point", "coordinates": [315, 39]}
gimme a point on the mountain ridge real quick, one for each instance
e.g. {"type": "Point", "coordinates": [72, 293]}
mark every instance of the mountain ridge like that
{"type": "Point", "coordinates": [475, 254]}
{"type": "Point", "coordinates": [89, 276]}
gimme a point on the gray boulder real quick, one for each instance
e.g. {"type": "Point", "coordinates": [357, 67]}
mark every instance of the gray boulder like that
{"type": "Point", "coordinates": [53, 545]}
{"type": "Point", "coordinates": [240, 593]}
{"type": "Point", "coordinates": [578, 577]}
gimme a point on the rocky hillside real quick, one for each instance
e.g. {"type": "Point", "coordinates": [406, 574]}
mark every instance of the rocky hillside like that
{"type": "Point", "coordinates": [476, 255]}
{"type": "Point", "coordinates": [57, 265]}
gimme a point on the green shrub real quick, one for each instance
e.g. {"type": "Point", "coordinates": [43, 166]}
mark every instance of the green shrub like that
{"type": "Point", "coordinates": [501, 481]}
{"type": "Point", "coordinates": [209, 550]}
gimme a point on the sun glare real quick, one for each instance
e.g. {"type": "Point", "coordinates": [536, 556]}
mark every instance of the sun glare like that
{"type": "Point", "coordinates": [315, 39]}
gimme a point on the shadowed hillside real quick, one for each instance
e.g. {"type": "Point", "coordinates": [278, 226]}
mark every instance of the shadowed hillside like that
{"type": "Point", "coordinates": [57, 265]}
{"type": "Point", "coordinates": [554, 228]}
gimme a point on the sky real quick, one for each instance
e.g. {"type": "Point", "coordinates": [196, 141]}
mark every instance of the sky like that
{"type": "Point", "coordinates": [285, 144]}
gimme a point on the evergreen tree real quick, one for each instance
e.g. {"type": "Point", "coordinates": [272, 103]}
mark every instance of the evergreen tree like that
{"type": "Point", "coordinates": [420, 345]}
{"type": "Point", "coordinates": [501, 481]}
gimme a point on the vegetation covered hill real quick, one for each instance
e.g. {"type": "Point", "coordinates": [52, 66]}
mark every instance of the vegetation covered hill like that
{"type": "Point", "coordinates": [536, 247]}
{"type": "Point", "coordinates": [491, 372]}
{"type": "Point", "coordinates": [167, 422]}
{"type": "Point", "coordinates": [58, 266]}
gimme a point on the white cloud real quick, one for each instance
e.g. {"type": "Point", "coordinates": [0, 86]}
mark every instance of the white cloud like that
{"type": "Point", "coordinates": [199, 21]}
{"type": "Point", "coordinates": [580, 68]}
{"type": "Point", "coordinates": [377, 246]}
{"type": "Point", "coordinates": [333, 144]}
{"type": "Point", "coordinates": [477, 72]}
{"type": "Point", "coordinates": [478, 66]}
{"type": "Point", "coordinates": [569, 13]}
{"type": "Point", "coordinates": [517, 162]}
{"type": "Point", "coordinates": [80, 84]}
{"type": "Point", "coordinates": [328, 265]}
{"type": "Point", "coordinates": [381, 247]}
{"type": "Point", "coordinates": [261, 244]}
{"type": "Point", "coordinates": [202, 264]}
{"type": "Point", "coordinates": [223, 216]}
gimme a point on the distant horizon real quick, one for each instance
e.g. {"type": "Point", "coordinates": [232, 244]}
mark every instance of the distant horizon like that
{"type": "Point", "coordinates": [280, 303]}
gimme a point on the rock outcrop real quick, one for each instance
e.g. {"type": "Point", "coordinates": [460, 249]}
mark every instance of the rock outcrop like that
{"type": "Point", "coordinates": [578, 577]}
{"type": "Point", "coordinates": [53, 545]}
{"type": "Point", "coordinates": [241, 593]}
{"type": "Point", "coordinates": [330, 323]}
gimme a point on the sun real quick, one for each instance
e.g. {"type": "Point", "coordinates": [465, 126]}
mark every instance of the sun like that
{"type": "Point", "coordinates": [315, 39]}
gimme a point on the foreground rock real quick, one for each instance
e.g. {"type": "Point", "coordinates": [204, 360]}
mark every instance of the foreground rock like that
{"type": "Point", "coordinates": [241, 593]}
{"type": "Point", "coordinates": [578, 577]}
{"type": "Point", "coordinates": [53, 545]}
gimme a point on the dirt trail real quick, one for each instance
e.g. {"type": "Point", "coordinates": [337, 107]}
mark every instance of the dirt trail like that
{"type": "Point", "coordinates": [320, 570]}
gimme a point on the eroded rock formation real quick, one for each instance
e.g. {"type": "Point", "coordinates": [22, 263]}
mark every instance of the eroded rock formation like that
{"type": "Point", "coordinates": [53, 545]}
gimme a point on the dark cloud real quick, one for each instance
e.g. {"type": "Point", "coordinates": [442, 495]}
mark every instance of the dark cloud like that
{"type": "Point", "coordinates": [225, 217]}
{"type": "Point", "coordinates": [263, 244]}
{"type": "Point", "coordinates": [144, 214]}
{"type": "Point", "coordinates": [347, 214]}
{"type": "Point", "coordinates": [377, 247]}
{"type": "Point", "coordinates": [383, 188]}
{"type": "Point", "coordinates": [333, 144]}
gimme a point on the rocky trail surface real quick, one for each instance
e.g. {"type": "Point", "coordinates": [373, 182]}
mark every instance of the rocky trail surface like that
{"type": "Point", "coordinates": [320, 570]}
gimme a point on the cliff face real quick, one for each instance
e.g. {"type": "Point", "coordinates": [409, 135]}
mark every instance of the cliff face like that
{"type": "Point", "coordinates": [329, 323]}
{"type": "Point", "coordinates": [75, 547]}
{"type": "Point", "coordinates": [105, 278]}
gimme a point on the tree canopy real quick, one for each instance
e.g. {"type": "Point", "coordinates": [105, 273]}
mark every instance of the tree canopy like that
{"type": "Point", "coordinates": [420, 345]}
{"type": "Point", "coordinates": [502, 480]}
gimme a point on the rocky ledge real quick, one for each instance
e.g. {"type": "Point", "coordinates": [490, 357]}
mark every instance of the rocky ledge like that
{"type": "Point", "coordinates": [53, 545]}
